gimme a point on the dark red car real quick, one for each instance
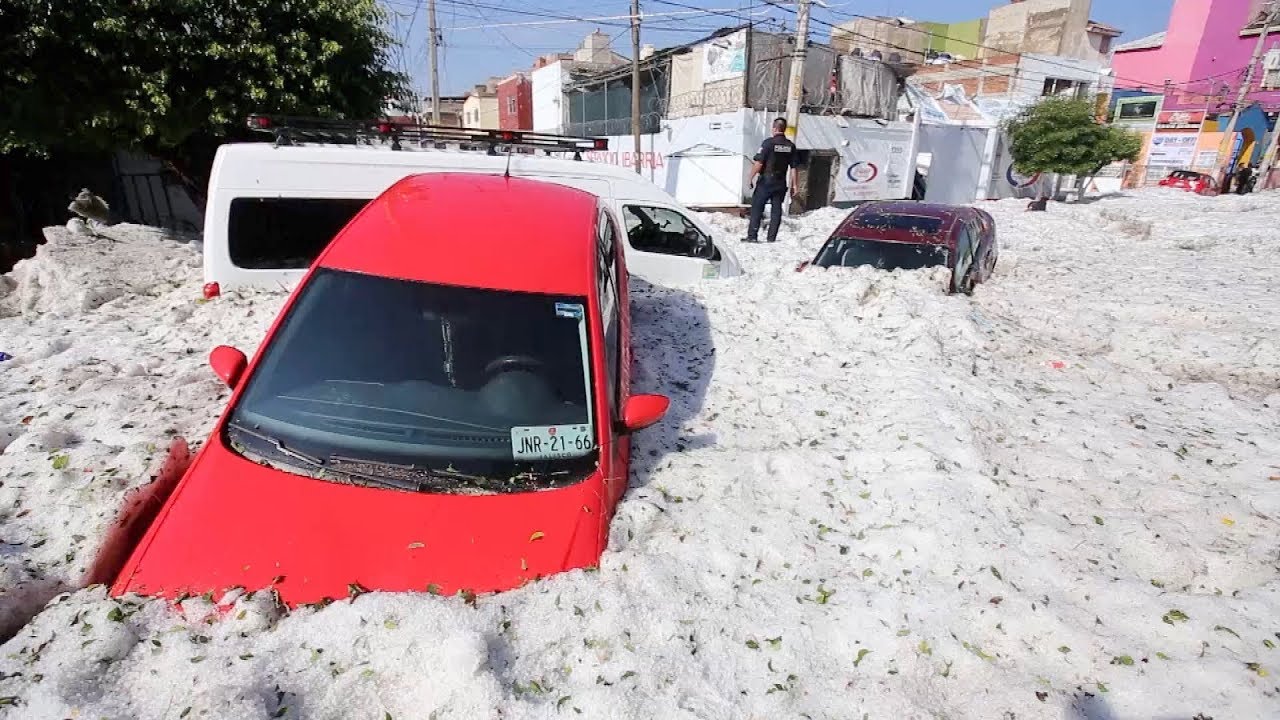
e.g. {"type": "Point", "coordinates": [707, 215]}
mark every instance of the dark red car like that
{"type": "Point", "coordinates": [443, 405]}
{"type": "Point", "coordinates": [1198, 183]}
{"type": "Point", "coordinates": [902, 235]}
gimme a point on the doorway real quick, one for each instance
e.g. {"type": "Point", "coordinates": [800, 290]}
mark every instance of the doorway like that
{"type": "Point", "coordinates": [817, 168]}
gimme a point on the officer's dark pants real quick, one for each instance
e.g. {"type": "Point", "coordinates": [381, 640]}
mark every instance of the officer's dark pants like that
{"type": "Point", "coordinates": [772, 193]}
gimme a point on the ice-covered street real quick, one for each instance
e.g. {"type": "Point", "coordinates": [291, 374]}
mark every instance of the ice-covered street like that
{"type": "Point", "coordinates": [1059, 497]}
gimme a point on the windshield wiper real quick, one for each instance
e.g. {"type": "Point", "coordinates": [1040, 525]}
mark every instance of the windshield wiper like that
{"type": "Point", "coordinates": [366, 478]}
{"type": "Point", "coordinates": [412, 470]}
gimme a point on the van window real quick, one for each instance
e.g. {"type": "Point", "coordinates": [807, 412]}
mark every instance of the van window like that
{"type": "Point", "coordinates": [285, 233]}
{"type": "Point", "coordinates": [666, 231]}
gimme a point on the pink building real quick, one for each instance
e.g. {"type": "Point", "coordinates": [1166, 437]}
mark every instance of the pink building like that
{"type": "Point", "coordinates": [1200, 60]}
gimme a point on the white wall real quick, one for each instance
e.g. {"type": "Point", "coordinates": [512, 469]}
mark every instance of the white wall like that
{"type": "Point", "coordinates": [548, 95]}
{"type": "Point", "coordinates": [705, 160]}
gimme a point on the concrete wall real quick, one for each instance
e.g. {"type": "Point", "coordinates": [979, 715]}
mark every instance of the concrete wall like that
{"type": "Point", "coordinates": [887, 35]}
{"type": "Point", "coordinates": [1047, 27]}
{"type": "Point", "coordinates": [547, 91]}
{"type": "Point", "coordinates": [960, 39]}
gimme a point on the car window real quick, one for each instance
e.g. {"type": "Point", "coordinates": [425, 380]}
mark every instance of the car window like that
{"type": "Point", "coordinates": [666, 231]}
{"type": "Point", "coordinates": [610, 309]}
{"type": "Point", "coordinates": [285, 233]}
{"type": "Point", "coordinates": [442, 388]}
{"type": "Point", "coordinates": [854, 252]}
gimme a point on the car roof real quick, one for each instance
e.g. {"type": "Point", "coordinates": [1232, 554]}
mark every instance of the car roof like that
{"type": "Point", "coordinates": [482, 231]}
{"type": "Point", "coordinates": [856, 222]}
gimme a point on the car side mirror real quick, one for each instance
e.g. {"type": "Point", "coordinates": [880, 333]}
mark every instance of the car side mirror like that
{"type": "Point", "coordinates": [228, 364]}
{"type": "Point", "coordinates": [641, 411]}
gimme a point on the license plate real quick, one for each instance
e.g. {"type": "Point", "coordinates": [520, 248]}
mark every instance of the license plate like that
{"type": "Point", "coordinates": [543, 442]}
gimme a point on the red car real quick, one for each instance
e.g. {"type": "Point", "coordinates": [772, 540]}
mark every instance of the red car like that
{"type": "Point", "coordinates": [1198, 183]}
{"type": "Point", "coordinates": [910, 235]}
{"type": "Point", "coordinates": [442, 405]}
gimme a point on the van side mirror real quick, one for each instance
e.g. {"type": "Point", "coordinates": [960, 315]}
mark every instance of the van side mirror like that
{"type": "Point", "coordinates": [641, 411]}
{"type": "Point", "coordinates": [228, 364]}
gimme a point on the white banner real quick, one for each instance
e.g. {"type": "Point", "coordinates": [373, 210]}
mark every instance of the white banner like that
{"type": "Point", "coordinates": [724, 58]}
{"type": "Point", "coordinates": [1172, 150]}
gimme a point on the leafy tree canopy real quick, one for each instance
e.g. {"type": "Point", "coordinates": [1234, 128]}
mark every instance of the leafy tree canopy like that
{"type": "Point", "coordinates": [1061, 135]}
{"type": "Point", "coordinates": [160, 75]}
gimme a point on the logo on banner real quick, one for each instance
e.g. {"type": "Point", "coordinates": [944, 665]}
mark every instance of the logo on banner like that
{"type": "Point", "coordinates": [862, 172]}
{"type": "Point", "coordinates": [1018, 180]}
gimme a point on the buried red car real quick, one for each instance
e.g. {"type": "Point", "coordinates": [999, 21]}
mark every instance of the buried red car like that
{"type": "Point", "coordinates": [903, 235]}
{"type": "Point", "coordinates": [1196, 182]}
{"type": "Point", "coordinates": [443, 405]}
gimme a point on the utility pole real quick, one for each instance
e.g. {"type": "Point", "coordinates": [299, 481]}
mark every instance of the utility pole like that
{"type": "Point", "coordinates": [1228, 137]}
{"type": "Point", "coordinates": [635, 79]}
{"type": "Point", "coordinates": [433, 36]}
{"type": "Point", "coordinates": [795, 89]}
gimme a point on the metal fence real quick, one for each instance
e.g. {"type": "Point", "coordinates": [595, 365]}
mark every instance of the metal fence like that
{"type": "Point", "coordinates": [649, 123]}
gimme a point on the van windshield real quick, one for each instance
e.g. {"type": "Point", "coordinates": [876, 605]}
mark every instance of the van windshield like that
{"type": "Point", "coordinates": [423, 387]}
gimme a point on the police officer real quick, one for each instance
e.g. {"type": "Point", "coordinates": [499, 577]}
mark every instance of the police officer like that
{"type": "Point", "coordinates": [776, 155]}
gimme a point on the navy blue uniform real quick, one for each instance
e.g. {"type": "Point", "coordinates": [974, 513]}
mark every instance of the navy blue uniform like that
{"type": "Point", "coordinates": [778, 155]}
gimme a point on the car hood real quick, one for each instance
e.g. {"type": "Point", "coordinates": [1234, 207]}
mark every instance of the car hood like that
{"type": "Point", "coordinates": [234, 523]}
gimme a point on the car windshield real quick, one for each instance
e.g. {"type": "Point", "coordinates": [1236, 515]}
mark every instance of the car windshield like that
{"type": "Point", "coordinates": [377, 381]}
{"type": "Point", "coordinates": [853, 252]}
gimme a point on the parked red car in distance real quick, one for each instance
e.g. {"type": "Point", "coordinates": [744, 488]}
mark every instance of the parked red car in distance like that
{"type": "Point", "coordinates": [905, 235]}
{"type": "Point", "coordinates": [442, 405]}
{"type": "Point", "coordinates": [1196, 182]}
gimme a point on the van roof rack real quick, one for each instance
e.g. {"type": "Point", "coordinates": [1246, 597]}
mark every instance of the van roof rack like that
{"type": "Point", "coordinates": [289, 130]}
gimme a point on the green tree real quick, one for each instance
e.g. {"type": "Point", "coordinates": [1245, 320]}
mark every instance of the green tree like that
{"type": "Point", "coordinates": [176, 77]}
{"type": "Point", "coordinates": [1062, 135]}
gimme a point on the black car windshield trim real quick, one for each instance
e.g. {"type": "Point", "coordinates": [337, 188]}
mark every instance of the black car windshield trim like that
{"type": "Point", "coordinates": [855, 252]}
{"type": "Point", "coordinates": [429, 387]}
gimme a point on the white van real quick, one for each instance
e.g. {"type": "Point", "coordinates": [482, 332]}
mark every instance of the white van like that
{"type": "Point", "coordinates": [272, 209]}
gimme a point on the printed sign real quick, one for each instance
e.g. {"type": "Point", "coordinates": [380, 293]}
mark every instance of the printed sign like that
{"type": "Point", "coordinates": [874, 168]}
{"type": "Point", "coordinates": [862, 172]}
{"type": "Point", "coordinates": [1172, 150]}
{"type": "Point", "coordinates": [547, 442]}
{"type": "Point", "coordinates": [1019, 180]}
{"type": "Point", "coordinates": [1181, 120]}
{"type": "Point", "coordinates": [1207, 158]}
{"type": "Point", "coordinates": [724, 58]}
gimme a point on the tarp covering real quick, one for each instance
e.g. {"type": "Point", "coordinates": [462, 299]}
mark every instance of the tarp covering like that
{"type": "Point", "coordinates": [868, 88]}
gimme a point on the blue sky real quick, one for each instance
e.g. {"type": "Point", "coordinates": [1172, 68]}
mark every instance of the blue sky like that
{"type": "Point", "coordinates": [498, 37]}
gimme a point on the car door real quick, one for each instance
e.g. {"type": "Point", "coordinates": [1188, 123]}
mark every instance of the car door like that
{"type": "Point", "coordinates": [665, 245]}
{"type": "Point", "coordinates": [611, 293]}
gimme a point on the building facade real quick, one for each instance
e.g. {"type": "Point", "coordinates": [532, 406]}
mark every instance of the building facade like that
{"type": "Point", "coordinates": [515, 103]}
{"type": "Point", "coordinates": [1196, 67]}
{"type": "Point", "coordinates": [890, 38]}
{"type": "Point", "coordinates": [480, 109]}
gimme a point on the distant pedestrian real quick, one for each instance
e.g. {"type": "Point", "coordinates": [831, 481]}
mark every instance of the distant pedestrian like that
{"type": "Point", "coordinates": [776, 156]}
{"type": "Point", "coordinates": [1243, 177]}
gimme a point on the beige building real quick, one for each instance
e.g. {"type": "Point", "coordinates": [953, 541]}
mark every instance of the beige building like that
{"type": "Point", "coordinates": [1048, 27]}
{"type": "Point", "coordinates": [480, 109]}
{"type": "Point", "coordinates": [888, 36]}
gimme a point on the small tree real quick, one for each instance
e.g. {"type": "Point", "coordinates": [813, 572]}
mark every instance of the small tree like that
{"type": "Point", "coordinates": [1062, 135]}
{"type": "Point", "coordinates": [176, 77]}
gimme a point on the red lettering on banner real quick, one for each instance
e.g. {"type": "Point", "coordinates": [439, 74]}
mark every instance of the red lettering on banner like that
{"type": "Point", "coordinates": [649, 159]}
